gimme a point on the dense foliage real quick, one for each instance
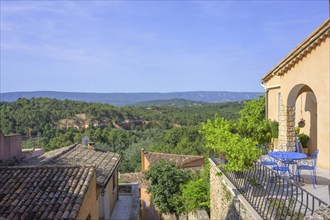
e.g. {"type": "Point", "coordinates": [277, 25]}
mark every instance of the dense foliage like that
{"type": "Point", "coordinates": [252, 122]}
{"type": "Point", "coordinates": [238, 141]}
{"type": "Point", "coordinates": [240, 152]}
{"type": "Point", "coordinates": [196, 193]}
{"type": "Point", "coordinates": [178, 191]}
{"type": "Point", "coordinates": [166, 181]}
{"type": "Point", "coordinates": [51, 123]}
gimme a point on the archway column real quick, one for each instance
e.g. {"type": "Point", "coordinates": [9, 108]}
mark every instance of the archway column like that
{"type": "Point", "coordinates": [287, 132]}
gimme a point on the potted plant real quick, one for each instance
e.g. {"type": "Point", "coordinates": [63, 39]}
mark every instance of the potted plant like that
{"type": "Point", "coordinates": [304, 138]}
{"type": "Point", "coordinates": [301, 123]}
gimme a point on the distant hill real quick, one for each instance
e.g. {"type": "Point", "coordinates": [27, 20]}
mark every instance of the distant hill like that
{"type": "Point", "coordinates": [122, 99]}
{"type": "Point", "coordinates": [169, 102]}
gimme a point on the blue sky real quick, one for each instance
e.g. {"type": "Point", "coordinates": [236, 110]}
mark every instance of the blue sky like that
{"type": "Point", "coordinates": [149, 46]}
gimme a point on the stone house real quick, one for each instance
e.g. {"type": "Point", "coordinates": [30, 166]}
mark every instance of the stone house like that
{"type": "Point", "coordinates": [298, 92]}
{"type": "Point", "coordinates": [106, 171]}
{"type": "Point", "coordinates": [48, 192]}
{"type": "Point", "coordinates": [104, 185]}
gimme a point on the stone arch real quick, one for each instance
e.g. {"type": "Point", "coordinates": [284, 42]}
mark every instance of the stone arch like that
{"type": "Point", "coordinates": [308, 111]}
{"type": "Point", "coordinates": [296, 91]}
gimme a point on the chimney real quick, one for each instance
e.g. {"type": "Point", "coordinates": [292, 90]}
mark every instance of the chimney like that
{"type": "Point", "coordinates": [91, 145]}
{"type": "Point", "coordinates": [143, 152]}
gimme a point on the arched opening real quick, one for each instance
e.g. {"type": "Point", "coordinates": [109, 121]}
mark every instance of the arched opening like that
{"type": "Point", "coordinates": [303, 99]}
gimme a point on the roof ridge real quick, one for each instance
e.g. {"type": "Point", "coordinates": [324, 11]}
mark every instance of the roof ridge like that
{"type": "Point", "coordinates": [69, 148]}
{"type": "Point", "coordinates": [50, 166]}
{"type": "Point", "coordinates": [185, 155]}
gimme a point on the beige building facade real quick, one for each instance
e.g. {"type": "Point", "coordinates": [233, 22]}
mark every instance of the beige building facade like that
{"type": "Point", "coordinates": [298, 89]}
{"type": "Point", "coordinates": [89, 206]}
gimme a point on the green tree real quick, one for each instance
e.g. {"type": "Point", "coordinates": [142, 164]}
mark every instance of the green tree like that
{"type": "Point", "coordinates": [166, 181]}
{"type": "Point", "coordinates": [168, 129]}
{"type": "Point", "coordinates": [252, 122]}
{"type": "Point", "coordinates": [196, 193]}
{"type": "Point", "coordinates": [240, 152]}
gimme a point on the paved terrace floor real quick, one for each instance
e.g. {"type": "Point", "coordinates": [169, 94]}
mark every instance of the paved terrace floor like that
{"type": "Point", "coordinates": [128, 205]}
{"type": "Point", "coordinates": [322, 189]}
{"type": "Point", "coordinates": [123, 208]}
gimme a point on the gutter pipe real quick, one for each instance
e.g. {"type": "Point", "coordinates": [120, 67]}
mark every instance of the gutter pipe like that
{"type": "Point", "coordinates": [266, 99]}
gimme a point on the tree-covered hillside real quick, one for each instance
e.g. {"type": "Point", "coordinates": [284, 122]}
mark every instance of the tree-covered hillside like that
{"type": "Point", "coordinates": [52, 123]}
{"type": "Point", "coordinates": [123, 99]}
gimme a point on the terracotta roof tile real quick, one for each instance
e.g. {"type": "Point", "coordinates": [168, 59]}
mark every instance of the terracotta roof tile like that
{"type": "Point", "coordinates": [11, 216]}
{"type": "Point", "coordinates": [72, 214]}
{"type": "Point", "coordinates": [65, 215]}
{"type": "Point", "coordinates": [105, 162]}
{"type": "Point", "coordinates": [37, 194]}
{"type": "Point", "coordinates": [134, 178]}
{"type": "Point", "coordinates": [179, 160]}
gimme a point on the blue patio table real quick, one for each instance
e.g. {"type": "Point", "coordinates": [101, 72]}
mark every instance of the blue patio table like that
{"type": "Point", "coordinates": [287, 155]}
{"type": "Point", "coordinates": [287, 158]}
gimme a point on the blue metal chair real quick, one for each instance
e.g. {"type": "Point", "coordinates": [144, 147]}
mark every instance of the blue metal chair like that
{"type": "Point", "coordinates": [280, 171]}
{"type": "Point", "coordinates": [281, 167]}
{"type": "Point", "coordinates": [267, 161]}
{"type": "Point", "coordinates": [309, 164]}
{"type": "Point", "coordinates": [291, 163]}
{"type": "Point", "coordinates": [295, 148]}
{"type": "Point", "coordinates": [298, 145]}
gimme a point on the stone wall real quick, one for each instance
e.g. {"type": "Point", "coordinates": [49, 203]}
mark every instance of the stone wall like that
{"type": "Point", "coordinates": [198, 215]}
{"type": "Point", "coordinates": [225, 200]}
{"type": "Point", "coordinates": [287, 127]}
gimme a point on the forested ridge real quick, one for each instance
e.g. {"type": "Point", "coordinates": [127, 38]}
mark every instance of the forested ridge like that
{"type": "Point", "coordinates": [51, 123]}
{"type": "Point", "coordinates": [123, 99]}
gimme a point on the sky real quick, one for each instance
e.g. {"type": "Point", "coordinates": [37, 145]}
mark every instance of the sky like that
{"type": "Point", "coordinates": [149, 46]}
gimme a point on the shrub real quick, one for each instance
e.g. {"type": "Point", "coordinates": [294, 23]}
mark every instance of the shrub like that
{"type": "Point", "coordinates": [303, 138]}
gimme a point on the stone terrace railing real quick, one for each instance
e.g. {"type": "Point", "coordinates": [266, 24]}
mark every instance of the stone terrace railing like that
{"type": "Point", "coordinates": [272, 196]}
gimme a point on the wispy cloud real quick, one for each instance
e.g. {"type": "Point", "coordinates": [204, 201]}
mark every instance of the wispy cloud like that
{"type": "Point", "coordinates": [52, 51]}
{"type": "Point", "coordinates": [38, 28]}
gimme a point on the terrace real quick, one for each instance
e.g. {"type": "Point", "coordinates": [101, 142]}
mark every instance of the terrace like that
{"type": "Point", "coordinates": [273, 197]}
